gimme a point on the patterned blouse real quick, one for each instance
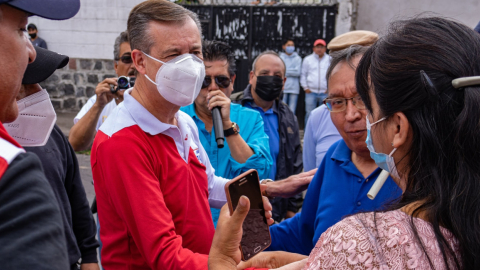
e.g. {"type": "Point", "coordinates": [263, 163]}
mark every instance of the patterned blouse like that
{"type": "Point", "coordinates": [379, 241]}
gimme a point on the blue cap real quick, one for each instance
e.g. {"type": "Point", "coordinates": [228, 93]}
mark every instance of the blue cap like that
{"type": "Point", "coordinates": [49, 9]}
{"type": "Point", "coordinates": [477, 28]}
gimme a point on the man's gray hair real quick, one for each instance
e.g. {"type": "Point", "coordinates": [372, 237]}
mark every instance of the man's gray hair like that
{"type": "Point", "coordinates": [123, 37]}
{"type": "Point", "coordinates": [345, 55]}
{"type": "Point", "coordinates": [271, 53]}
{"type": "Point", "coordinates": [159, 11]}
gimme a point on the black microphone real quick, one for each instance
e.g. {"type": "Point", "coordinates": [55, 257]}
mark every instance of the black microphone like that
{"type": "Point", "coordinates": [218, 126]}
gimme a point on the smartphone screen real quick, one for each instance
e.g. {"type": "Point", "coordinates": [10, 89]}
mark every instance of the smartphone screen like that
{"type": "Point", "coordinates": [256, 235]}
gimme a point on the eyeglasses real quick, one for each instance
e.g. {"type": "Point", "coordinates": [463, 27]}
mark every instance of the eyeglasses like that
{"type": "Point", "coordinates": [340, 104]}
{"type": "Point", "coordinates": [126, 59]}
{"type": "Point", "coordinates": [221, 81]}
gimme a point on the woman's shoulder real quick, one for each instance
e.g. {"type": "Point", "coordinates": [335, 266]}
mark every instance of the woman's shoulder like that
{"type": "Point", "coordinates": [377, 240]}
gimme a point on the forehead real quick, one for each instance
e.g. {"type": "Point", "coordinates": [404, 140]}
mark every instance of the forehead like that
{"type": "Point", "coordinates": [270, 62]}
{"type": "Point", "coordinates": [174, 35]}
{"type": "Point", "coordinates": [217, 67]}
{"type": "Point", "coordinates": [125, 48]}
{"type": "Point", "coordinates": [342, 80]}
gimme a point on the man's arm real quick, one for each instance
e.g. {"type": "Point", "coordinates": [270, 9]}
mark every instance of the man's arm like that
{"type": "Point", "coordinates": [83, 223]}
{"type": "Point", "coordinates": [254, 134]}
{"type": "Point", "coordinates": [31, 229]}
{"type": "Point", "coordinates": [304, 74]}
{"type": "Point", "coordinates": [291, 186]}
{"type": "Point", "coordinates": [83, 132]}
{"type": "Point", "coordinates": [239, 149]}
{"type": "Point", "coordinates": [295, 69]}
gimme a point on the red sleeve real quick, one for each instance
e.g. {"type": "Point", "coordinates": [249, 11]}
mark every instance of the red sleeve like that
{"type": "Point", "coordinates": [125, 168]}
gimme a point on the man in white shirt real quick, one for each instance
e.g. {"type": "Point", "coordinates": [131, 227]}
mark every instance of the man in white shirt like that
{"type": "Point", "coordinates": [98, 107]}
{"type": "Point", "coordinates": [313, 77]}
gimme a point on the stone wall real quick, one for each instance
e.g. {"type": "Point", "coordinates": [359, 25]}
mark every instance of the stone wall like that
{"type": "Point", "coordinates": [71, 86]}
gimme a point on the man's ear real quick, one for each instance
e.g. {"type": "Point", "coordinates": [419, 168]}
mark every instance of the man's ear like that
{"type": "Point", "coordinates": [401, 129]}
{"type": "Point", "coordinates": [115, 66]}
{"type": "Point", "coordinates": [251, 77]}
{"type": "Point", "coordinates": [138, 59]}
{"type": "Point", "coordinates": [284, 80]}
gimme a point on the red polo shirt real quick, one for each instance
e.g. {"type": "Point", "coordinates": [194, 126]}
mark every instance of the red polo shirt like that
{"type": "Point", "coordinates": [152, 191]}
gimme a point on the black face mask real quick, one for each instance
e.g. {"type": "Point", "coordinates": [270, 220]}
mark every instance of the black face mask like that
{"type": "Point", "coordinates": [32, 36]}
{"type": "Point", "coordinates": [269, 88]}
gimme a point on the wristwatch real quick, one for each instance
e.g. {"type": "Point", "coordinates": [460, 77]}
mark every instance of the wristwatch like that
{"type": "Point", "coordinates": [235, 129]}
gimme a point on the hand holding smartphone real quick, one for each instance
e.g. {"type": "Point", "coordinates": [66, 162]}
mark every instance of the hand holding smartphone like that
{"type": "Point", "coordinates": [256, 234]}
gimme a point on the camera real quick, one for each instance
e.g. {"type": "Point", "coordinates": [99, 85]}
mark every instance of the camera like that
{"type": "Point", "coordinates": [123, 83]}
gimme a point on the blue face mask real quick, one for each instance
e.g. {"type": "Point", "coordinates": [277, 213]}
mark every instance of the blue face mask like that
{"type": "Point", "coordinates": [290, 49]}
{"type": "Point", "coordinates": [383, 161]}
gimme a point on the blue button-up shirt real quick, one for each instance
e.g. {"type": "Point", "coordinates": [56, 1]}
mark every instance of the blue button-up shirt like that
{"type": "Point", "coordinates": [270, 119]}
{"type": "Point", "coordinates": [338, 189]}
{"type": "Point", "coordinates": [252, 132]}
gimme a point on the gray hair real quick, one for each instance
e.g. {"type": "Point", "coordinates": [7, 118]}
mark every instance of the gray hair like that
{"type": "Point", "coordinates": [155, 10]}
{"type": "Point", "coordinates": [345, 55]}
{"type": "Point", "coordinates": [123, 37]}
{"type": "Point", "coordinates": [271, 53]}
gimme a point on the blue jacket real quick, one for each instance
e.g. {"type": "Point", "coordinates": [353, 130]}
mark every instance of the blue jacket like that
{"type": "Point", "coordinates": [293, 63]}
{"type": "Point", "coordinates": [252, 132]}
{"type": "Point", "coordinates": [337, 190]}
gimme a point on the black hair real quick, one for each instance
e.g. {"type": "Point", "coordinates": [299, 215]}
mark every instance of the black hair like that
{"type": "Point", "coordinates": [31, 26]}
{"type": "Point", "coordinates": [444, 157]}
{"type": "Point", "coordinates": [287, 39]}
{"type": "Point", "coordinates": [216, 50]}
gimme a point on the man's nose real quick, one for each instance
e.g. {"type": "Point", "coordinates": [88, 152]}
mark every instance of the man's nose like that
{"type": "Point", "coordinates": [213, 86]}
{"type": "Point", "coordinates": [352, 113]}
{"type": "Point", "coordinates": [32, 54]}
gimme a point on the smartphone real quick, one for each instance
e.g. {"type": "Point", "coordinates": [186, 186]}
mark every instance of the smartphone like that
{"type": "Point", "coordinates": [256, 234]}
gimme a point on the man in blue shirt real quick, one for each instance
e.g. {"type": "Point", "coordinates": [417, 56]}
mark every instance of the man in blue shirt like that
{"type": "Point", "coordinates": [347, 172]}
{"type": "Point", "coordinates": [246, 144]}
{"type": "Point", "coordinates": [267, 80]}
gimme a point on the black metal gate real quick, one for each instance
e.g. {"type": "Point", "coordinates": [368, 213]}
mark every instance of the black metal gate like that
{"type": "Point", "coordinates": [251, 30]}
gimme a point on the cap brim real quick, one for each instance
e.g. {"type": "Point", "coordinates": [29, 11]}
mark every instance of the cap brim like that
{"type": "Point", "coordinates": [49, 9]}
{"type": "Point", "coordinates": [44, 65]}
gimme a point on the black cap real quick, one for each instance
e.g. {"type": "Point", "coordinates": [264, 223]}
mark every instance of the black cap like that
{"type": "Point", "coordinates": [31, 26]}
{"type": "Point", "coordinates": [44, 65]}
{"type": "Point", "coordinates": [49, 9]}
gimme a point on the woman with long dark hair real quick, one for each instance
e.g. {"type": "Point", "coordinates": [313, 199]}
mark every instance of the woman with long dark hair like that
{"type": "Point", "coordinates": [421, 86]}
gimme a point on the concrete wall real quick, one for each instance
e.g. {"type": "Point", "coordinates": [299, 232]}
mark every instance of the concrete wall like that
{"type": "Point", "coordinates": [91, 33]}
{"type": "Point", "coordinates": [374, 15]}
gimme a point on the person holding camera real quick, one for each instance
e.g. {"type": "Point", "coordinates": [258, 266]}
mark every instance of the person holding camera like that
{"type": "Point", "coordinates": [108, 94]}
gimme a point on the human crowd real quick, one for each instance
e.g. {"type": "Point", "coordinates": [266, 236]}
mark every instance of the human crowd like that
{"type": "Point", "coordinates": [405, 104]}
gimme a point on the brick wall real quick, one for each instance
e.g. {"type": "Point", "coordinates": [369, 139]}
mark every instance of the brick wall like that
{"type": "Point", "coordinates": [71, 86]}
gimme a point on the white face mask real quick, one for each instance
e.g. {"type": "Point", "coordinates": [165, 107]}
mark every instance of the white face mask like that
{"type": "Point", "coordinates": [35, 121]}
{"type": "Point", "coordinates": [180, 80]}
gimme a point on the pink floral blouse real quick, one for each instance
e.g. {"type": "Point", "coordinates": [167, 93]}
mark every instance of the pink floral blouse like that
{"type": "Point", "coordinates": [358, 243]}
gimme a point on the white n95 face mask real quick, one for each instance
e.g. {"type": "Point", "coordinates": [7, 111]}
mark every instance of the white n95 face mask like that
{"type": "Point", "coordinates": [36, 118]}
{"type": "Point", "coordinates": [180, 80]}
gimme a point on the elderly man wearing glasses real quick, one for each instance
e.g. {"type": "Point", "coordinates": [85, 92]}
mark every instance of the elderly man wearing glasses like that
{"type": "Point", "coordinates": [246, 143]}
{"type": "Point", "coordinates": [107, 97]}
{"type": "Point", "coordinates": [347, 172]}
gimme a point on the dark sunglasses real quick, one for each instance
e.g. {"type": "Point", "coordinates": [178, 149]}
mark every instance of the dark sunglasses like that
{"type": "Point", "coordinates": [221, 81]}
{"type": "Point", "coordinates": [126, 59]}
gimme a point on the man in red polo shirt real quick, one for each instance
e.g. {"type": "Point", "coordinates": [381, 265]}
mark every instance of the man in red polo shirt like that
{"type": "Point", "coordinates": [153, 179]}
